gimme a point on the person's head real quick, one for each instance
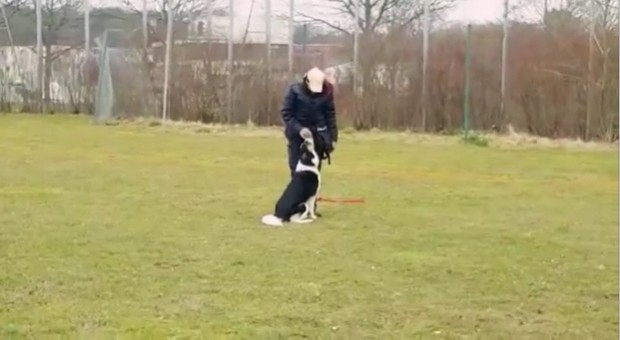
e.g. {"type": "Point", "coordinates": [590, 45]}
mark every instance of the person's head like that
{"type": "Point", "coordinates": [314, 80]}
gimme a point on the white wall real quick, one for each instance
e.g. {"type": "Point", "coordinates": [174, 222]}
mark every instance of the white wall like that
{"type": "Point", "coordinates": [243, 11]}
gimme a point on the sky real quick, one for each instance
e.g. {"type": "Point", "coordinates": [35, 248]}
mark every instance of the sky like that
{"type": "Point", "coordinates": [476, 11]}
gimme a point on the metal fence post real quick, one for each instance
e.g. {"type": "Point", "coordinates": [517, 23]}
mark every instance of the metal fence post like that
{"type": "Point", "coordinates": [425, 63]}
{"type": "Point", "coordinates": [167, 61]}
{"type": "Point", "coordinates": [229, 80]}
{"type": "Point", "coordinates": [467, 108]}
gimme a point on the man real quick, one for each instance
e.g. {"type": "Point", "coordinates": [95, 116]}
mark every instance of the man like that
{"type": "Point", "coordinates": [309, 111]}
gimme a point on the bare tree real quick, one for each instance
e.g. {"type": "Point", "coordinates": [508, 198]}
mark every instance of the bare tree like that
{"type": "Point", "coordinates": [7, 10]}
{"type": "Point", "coordinates": [601, 17]}
{"type": "Point", "coordinates": [605, 12]}
{"type": "Point", "coordinates": [181, 9]}
{"type": "Point", "coordinates": [608, 13]}
{"type": "Point", "coordinates": [609, 21]}
{"type": "Point", "coordinates": [62, 24]}
{"type": "Point", "coordinates": [12, 7]}
{"type": "Point", "coordinates": [379, 15]}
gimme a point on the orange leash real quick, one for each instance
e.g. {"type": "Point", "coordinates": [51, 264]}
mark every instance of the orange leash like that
{"type": "Point", "coordinates": [342, 200]}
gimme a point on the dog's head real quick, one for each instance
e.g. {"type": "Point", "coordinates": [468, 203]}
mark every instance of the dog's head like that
{"type": "Point", "coordinates": [308, 155]}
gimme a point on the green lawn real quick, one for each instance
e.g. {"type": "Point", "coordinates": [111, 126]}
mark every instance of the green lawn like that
{"type": "Point", "coordinates": [148, 232]}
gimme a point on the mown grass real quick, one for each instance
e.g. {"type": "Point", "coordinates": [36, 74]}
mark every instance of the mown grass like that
{"type": "Point", "coordinates": [141, 232]}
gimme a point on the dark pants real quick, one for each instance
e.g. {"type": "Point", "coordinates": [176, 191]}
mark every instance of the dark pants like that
{"type": "Point", "coordinates": [293, 153]}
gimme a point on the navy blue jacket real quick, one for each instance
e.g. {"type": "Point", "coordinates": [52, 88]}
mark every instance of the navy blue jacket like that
{"type": "Point", "coordinates": [315, 111]}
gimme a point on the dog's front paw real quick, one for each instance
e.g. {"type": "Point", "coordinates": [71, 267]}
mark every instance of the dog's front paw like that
{"type": "Point", "coordinates": [272, 221]}
{"type": "Point", "coordinates": [301, 219]}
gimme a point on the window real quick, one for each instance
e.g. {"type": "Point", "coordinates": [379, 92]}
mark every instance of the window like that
{"type": "Point", "coordinates": [201, 28]}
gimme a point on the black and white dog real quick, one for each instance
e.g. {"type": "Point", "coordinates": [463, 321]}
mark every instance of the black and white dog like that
{"type": "Point", "coordinates": [298, 201]}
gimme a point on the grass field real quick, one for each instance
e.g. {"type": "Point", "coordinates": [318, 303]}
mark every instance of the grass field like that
{"type": "Point", "coordinates": [147, 232]}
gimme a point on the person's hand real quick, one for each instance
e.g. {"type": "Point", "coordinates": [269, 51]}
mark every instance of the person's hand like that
{"type": "Point", "coordinates": [305, 133]}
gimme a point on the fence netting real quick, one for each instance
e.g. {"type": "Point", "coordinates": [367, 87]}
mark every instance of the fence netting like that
{"type": "Point", "coordinates": [230, 61]}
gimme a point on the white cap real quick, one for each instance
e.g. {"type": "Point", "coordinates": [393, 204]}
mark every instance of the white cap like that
{"type": "Point", "coordinates": [315, 77]}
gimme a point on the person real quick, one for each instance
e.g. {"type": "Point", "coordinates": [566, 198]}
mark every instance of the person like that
{"type": "Point", "coordinates": [308, 111]}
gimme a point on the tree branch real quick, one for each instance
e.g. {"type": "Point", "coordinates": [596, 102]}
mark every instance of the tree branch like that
{"type": "Point", "coordinates": [325, 22]}
{"type": "Point", "coordinates": [381, 13]}
{"type": "Point", "coordinates": [58, 53]}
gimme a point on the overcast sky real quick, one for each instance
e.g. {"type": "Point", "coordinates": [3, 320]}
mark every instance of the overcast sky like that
{"type": "Point", "coordinates": [476, 11]}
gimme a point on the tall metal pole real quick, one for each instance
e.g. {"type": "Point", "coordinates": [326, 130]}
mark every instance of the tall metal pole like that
{"type": "Point", "coordinates": [87, 27]}
{"type": "Point", "coordinates": [209, 36]}
{"type": "Point", "coordinates": [5, 19]}
{"type": "Point", "coordinates": [503, 116]}
{"type": "Point", "coordinates": [304, 38]}
{"type": "Point", "coordinates": [229, 84]}
{"type": "Point", "coordinates": [87, 37]}
{"type": "Point", "coordinates": [145, 45]}
{"type": "Point", "coordinates": [425, 63]}
{"type": "Point", "coordinates": [145, 26]}
{"type": "Point", "coordinates": [291, 35]}
{"type": "Point", "coordinates": [268, 57]}
{"type": "Point", "coordinates": [39, 15]}
{"type": "Point", "coordinates": [356, 47]}
{"type": "Point", "coordinates": [167, 61]}
{"type": "Point", "coordinates": [591, 94]}
{"type": "Point", "coordinates": [466, 109]}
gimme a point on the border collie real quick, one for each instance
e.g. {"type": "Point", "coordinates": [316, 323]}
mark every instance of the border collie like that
{"type": "Point", "coordinates": [298, 201]}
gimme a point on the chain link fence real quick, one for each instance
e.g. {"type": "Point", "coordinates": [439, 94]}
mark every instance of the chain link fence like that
{"type": "Point", "coordinates": [18, 59]}
{"type": "Point", "coordinates": [548, 67]}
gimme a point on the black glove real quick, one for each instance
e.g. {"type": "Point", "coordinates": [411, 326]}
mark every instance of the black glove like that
{"type": "Point", "coordinates": [325, 143]}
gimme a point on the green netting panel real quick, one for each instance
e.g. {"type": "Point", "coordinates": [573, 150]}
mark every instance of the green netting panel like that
{"type": "Point", "coordinates": [104, 98]}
